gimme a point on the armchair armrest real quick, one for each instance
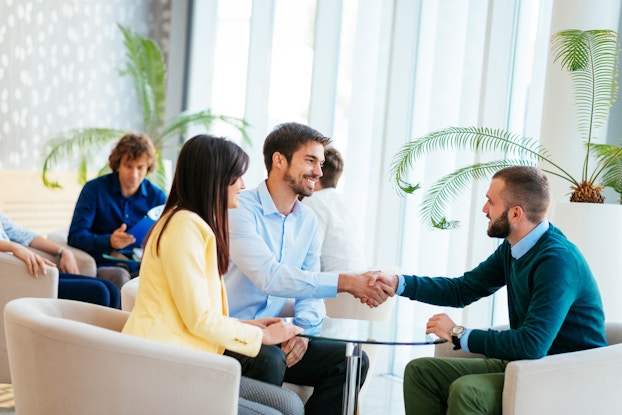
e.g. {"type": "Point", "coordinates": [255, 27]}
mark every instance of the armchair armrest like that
{"type": "Point", "coordinates": [85, 262]}
{"type": "Point", "coordinates": [570, 383]}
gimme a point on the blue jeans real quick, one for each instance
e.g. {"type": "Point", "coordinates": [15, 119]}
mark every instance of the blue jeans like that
{"type": "Point", "coordinates": [88, 289]}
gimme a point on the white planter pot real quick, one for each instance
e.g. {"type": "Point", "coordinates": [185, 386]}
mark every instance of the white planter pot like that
{"type": "Point", "coordinates": [597, 230]}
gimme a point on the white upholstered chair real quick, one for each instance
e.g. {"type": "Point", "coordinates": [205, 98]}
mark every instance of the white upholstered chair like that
{"type": "Point", "coordinates": [128, 294]}
{"type": "Point", "coordinates": [16, 282]}
{"type": "Point", "coordinates": [69, 357]}
{"type": "Point", "coordinates": [575, 383]}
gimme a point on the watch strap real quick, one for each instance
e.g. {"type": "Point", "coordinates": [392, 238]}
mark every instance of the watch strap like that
{"type": "Point", "coordinates": [456, 341]}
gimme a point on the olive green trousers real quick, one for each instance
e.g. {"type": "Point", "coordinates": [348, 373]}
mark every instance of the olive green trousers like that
{"type": "Point", "coordinates": [453, 386]}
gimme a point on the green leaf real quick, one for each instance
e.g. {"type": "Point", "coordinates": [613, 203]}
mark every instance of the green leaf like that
{"type": "Point", "coordinates": [80, 144]}
{"type": "Point", "coordinates": [179, 125]}
{"type": "Point", "coordinates": [145, 65]}
{"type": "Point", "coordinates": [445, 190]}
{"type": "Point", "coordinates": [591, 59]}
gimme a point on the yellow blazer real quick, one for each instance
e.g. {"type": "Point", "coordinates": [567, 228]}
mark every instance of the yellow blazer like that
{"type": "Point", "coordinates": [181, 297]}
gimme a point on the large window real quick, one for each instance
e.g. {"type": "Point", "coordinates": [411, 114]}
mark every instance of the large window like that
{"type": "Point", "coordinates": [373, 74]}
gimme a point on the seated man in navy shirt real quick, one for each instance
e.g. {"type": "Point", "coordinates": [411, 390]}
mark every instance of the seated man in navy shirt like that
{"type": "Point", "coordinates": [110, 205]}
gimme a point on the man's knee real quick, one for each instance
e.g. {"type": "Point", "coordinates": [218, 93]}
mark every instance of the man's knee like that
{"type": "Point", "coordinates": [418, 369]}
{"type": "Point", "coordinates": [476, 394]}
{"type": "Point", "coordinates": [116, 275]}
{"type": "Point", "coordinates": [272, 359]}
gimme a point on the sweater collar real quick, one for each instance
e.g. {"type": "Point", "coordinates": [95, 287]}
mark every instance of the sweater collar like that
{"type": "Point", "coordinates": [524, 245]}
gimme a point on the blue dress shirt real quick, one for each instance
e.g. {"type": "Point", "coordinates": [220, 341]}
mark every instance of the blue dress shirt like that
{"type": "Point", "coordinates": [102, 208]}
{"type": "Point", "coordinates": [12, 232]}
{"type": "Point", "coordinates": [275, 257]}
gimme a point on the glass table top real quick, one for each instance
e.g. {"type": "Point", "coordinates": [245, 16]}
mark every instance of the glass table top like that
{"type": "Point", "coordinates": [372, 332]}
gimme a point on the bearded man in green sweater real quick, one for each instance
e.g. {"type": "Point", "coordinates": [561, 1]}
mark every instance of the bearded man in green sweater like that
{"type": "Point", "coordinates": [553, 301]}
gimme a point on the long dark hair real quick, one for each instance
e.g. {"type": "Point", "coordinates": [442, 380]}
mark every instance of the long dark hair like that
{"type": "Point", "coordinates": [206, 166]}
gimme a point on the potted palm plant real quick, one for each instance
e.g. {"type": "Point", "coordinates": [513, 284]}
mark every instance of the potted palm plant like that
{"type": "Point", "coordinates": [590, 58]}
{"type": "Point", "coordinates": [145, 65]}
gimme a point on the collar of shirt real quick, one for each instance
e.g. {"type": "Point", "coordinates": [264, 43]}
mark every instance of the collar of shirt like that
{"type": "Point", "coordinates": [525, 244]}
{"type": "Point", "coordinates": [116, 186]}
{"type": "Point", "coordinates": [267, 203]}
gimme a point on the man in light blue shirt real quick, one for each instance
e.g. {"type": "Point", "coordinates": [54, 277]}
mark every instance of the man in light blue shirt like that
{"type": "Point", "coordinates": [275, 255]}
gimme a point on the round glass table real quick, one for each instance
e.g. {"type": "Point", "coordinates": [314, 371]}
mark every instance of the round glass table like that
{"type": "Point", "coordinates": [356, 333]}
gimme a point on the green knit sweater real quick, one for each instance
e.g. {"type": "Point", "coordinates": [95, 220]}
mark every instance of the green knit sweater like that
{"type": "Point", "coordinates": [553, 300]}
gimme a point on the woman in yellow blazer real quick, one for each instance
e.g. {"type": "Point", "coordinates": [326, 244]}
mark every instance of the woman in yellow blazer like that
{"type": "Point", "coordinates": [181, 297]}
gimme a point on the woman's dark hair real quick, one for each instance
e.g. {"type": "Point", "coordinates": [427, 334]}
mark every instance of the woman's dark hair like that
{"type": "Point", "coordinates": [206, 166]}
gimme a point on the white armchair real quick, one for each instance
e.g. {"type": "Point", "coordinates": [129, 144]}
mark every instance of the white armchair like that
{"type": "Point", "coordinates": [16, 282]}
{"type": "Point", "coordinates": [571, 383]}
{"type": "Point", "coordinates": [69, 357]}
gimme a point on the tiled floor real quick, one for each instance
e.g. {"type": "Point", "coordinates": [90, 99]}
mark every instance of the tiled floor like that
{"type": "Point", "coordinates": [383, 396]}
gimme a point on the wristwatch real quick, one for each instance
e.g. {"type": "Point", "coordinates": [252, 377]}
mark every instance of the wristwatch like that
{"type": "Point", "coordinates": [456, 333]}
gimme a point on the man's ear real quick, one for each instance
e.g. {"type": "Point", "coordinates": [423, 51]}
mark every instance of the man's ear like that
{"type": "Point", "coordinates": [278, 160]}
{"type": "Point", "coordinates": [515, 214]}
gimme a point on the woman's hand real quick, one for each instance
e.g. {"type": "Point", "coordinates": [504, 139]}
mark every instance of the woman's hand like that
{"type": "Point", "coordinates": [262, 322]}
{"type": "Point", "coordinates": [279, 331]}
{"type": "Point", "coordinates": [34, 262]}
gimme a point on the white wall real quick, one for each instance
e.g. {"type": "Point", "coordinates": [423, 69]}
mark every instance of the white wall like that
{"type": "Point", "coordinates": [59, 63]}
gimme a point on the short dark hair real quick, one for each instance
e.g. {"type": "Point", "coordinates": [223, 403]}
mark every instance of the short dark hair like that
{"type": "Point", "coordinates": [527, 187]}
{"type": "Point", "coordinates": [332, 168]}
{"type": "Point", "coordinates": [287, 138]}
{"type": "Point", "coordinates": [134, 145]}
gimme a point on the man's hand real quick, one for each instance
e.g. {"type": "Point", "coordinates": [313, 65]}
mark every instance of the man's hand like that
{"type": "Point", "coordinates": [294, 349]}
{"type": "Point", "coordinates": [389, 280]}
{"type": "Point", "coordinates": [34, 263]}
{"type": "Point", "coordinates": [371, 286]}
{"type": "Point", "coordinates": [119, 239]}
{"type": "Point", "coordinates": [441, 325]}
{"type": "Point", "coordinates": [68, 262]}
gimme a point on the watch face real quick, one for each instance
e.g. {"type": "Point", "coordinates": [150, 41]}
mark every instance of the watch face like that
{"type": "Point", "coordinates": [457, 330]}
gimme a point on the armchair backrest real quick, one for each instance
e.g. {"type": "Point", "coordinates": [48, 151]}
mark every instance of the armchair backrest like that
{"type": "Point", "coordinates": [70, 357]}
{"type": "Point", "coordinates": [16, 282]}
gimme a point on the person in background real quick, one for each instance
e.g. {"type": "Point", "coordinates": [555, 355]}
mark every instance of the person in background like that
{"type": "Point", "coordinates": [553, 302]}
{"type": "Point", "coordinates": [181, 297]}
{"type": "Point", "coordinates": [275, 255]}
{"type": "Point", "coordinates": [341, 242]}
{"type": "Point", "coordinates": [17, 240]}
{"type": "Point", "coordinates": [110, 205]}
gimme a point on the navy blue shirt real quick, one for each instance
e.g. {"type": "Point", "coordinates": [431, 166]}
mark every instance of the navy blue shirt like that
{"type": "Point", "coordinates": [102, 208]}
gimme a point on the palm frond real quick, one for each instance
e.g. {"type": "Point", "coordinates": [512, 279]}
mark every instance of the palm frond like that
{"type": "Point", "coordinates": [591, 59]}
{"type": "Point", "coordinates": [80, 144]}
{"type": "Point", "coordinates": [476, 139]}
{"type": "Point", "coordinates": [145, 65]}
{"type": "Point", "coordinates": [179, 125]}
{"type": "Point", "coordinates": [158, 176]}
{"type": "Point", "coordinates": [445, 190]}
{"type": "Point", "coordinates": [608, 171]}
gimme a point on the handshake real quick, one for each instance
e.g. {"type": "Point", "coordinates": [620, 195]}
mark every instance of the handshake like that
{"type": "Point", "coordinates": [371, 287]}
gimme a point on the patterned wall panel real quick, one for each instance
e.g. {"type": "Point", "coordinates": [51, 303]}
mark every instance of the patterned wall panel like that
{"type": "Point", "coordinates": [59, 69]}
